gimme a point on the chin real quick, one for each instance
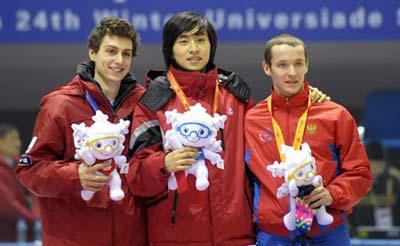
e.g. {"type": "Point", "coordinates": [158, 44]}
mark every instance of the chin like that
{"type": "Point", "coordinates": [116, 79]}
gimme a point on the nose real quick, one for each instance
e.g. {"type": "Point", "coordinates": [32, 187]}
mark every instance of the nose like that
{"type": "Point", "coordinates": [119, 58]}
{"type": "Point", "coordinates": [193, 47]}
{"type": "Point", "coordinates": [108, 149]}
{"type": "Point", "coordinates": [193, 136]}
{"type": "Point", "coordinates": [292, 70]}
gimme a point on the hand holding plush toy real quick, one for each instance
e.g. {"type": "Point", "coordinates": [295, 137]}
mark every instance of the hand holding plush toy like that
{"type": "Point", "coordinates": [103, 141]}
{"type": "Point", "coordinates": [299, 170]}
{"type": "Point", "coordinates": [195, 128]}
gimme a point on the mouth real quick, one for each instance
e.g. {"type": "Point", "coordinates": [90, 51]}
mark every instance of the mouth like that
{"type": "Point", "coordinates": [194, 59]}
{"type": "Point", "coordinates": [107, 153]}
{"type": "Point", "coordinates": [192, 140]}
{"type": "Point", "coordinates": [291, 82]}
{"type": "Point", "coordinates": [117, 69]}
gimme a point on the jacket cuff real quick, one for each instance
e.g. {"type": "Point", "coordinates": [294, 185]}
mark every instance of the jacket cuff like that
{"type": "Point", "coordinates": [71, 172]}
{"type": "Point", "coordinates": [163, 172]}
{"type": "Point", "coordinates": [335, 196]}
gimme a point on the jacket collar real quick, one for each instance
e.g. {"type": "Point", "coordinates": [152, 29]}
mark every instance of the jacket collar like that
{"type": "Point", "coordinates": [194, 82]}
{"type": "Point", "coordinates": [85, 70]}
{"type": "Point", "coordinates": [296, 100]}
{"type": "Point", "coordinates": [84, 81]}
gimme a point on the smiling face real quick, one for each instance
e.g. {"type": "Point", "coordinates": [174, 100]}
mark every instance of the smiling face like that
{"type": "Point", "coordinates": [112, 60]}
{"type": "Point", "coordinates": [191, 50]}
{"type": "Point", "coordinates": [287, 70]}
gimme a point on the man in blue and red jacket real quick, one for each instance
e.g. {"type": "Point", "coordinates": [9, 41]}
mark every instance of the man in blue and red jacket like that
{"type": "Point", "coordinates": [330, 131]}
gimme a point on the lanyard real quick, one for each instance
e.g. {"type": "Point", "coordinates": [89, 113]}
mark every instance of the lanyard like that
{"type": "Point", "coordinates": [181, 95]}
{"type": "Point", "coordinates": [91, 101]}
{"type": "Point", "coordinates": [301, 125]}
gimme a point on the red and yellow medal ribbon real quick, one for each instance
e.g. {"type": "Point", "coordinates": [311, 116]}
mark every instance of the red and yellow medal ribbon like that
{"type": "Point", "coordinates": [301, 125]}
{"type": "Point", "coordinates": [182, 97]}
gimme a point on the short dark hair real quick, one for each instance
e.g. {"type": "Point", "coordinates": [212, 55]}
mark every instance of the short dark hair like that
{"type": "Point", "coordinates": [185, 22]}
{"type": "Point", "coordinates": [6, 128]}
{"type": "Point", "coordinates": [283, 39]}
{"type": "Point", "coordinates": [113, 26]}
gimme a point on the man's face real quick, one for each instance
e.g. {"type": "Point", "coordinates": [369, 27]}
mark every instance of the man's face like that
{"type": "Point", "coordinates": [287, 70]}
{"type": "Point", "coordinates": [191, 51]}
{"type": "Point", "coordinates": [113, 59]}
{"type": "Point", "coordinates": [10, 144]}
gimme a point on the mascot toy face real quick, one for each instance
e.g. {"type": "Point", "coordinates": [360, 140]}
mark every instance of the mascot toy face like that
{"type": "Point", "coordinates": [303, 173]}
{"type": "Point", "coordinates": [106, 146]}
{"type": "Point", "coordinates": [195, 134]}
{"type": "Point", "coordinates": [103, 139]}
{"type": "Point", "coordinates": [195, 127]}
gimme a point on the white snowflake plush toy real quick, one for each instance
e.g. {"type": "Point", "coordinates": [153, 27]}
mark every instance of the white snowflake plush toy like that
{"type": "Point", "coordinates": [299, 171]}
{"type": "Point", "coordinates": [103, 141]}
{"type": "Point", "coordinates": [195, 128]}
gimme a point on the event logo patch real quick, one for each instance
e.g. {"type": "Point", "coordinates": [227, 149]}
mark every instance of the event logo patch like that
{"type": "Point", "coordinates": [266, 135]}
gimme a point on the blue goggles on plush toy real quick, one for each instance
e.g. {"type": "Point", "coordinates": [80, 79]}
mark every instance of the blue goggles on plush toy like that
{"type": "Point", "coordinates": [191, 129]}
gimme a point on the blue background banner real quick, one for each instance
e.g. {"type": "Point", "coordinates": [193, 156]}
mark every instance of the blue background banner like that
{"type": "Point", "coordinates": [70, 21]}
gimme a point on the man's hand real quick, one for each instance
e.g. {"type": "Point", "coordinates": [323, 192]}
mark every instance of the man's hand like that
{"type": "Point", "coordinates": [181, 159]}
{"type": "Point", "coordinates": [319, 196]}
{"type": "Point", "coordinates": [90, 180]}
{"type": "Point", "coordinates": [318, 96]}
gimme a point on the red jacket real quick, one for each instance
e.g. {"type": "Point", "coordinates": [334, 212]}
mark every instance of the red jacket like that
{"type": "Point", "coordinates": [49, 169]}
{"type": "Point", "coordinates": [13, 202]}
{"type": "Point", "coordinates": [340, 156]}
{"type": "Point", "coordinates": [220, 215]}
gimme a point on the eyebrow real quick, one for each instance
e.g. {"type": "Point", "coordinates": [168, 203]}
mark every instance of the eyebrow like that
{"type": "Point", "coordinates": [296, 60]}
{"type": "Point", "coordinates": [195, 34]}
{"type": "Point", "coordinates": [115, 47]}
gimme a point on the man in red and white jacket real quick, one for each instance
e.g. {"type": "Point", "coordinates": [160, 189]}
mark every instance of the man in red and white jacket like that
{"type": "Point", "coordinates": [48, 167]}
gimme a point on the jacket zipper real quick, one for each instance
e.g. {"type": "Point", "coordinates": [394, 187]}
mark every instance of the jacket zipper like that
{"type": "Point", "coordinates": [123, 99]}
{"type": "Point", "coordinates": [211, 216]}
{"type": "Point", "coordinates": [288, 122]}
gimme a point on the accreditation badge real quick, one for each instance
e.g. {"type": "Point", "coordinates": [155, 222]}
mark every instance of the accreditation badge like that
{"type": "Point", "coordinates": [383, 217]}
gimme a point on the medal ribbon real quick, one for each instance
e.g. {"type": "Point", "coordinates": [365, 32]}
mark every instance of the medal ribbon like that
{"type": "Point", "coordinates": [301, 125]}
{"type": "Point", "coordinates": [303, 215]}
{"type": "Point", "coordinates": [182, 97]}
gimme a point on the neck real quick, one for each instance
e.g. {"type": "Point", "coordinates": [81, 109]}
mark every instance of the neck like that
{"type": "Point", "coordinates": [110, 90]}
{"type": "Point", "coordinates": [288, 94]}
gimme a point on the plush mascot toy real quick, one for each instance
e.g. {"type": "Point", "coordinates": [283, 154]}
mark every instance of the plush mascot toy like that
{"type": "Point", "coordinates": [103, 141]}
{"type": "Point", "coordinates": [195, 128]}
{"type": "Point", "coordinates": [299, 171]}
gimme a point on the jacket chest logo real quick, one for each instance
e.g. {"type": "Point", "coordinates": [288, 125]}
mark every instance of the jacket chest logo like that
{"type": "Point", "coordinates": [311, 128]}
{"type": "Point", "coordinates": [229, 111]}
{"type": "Point", "coordinates": [266, 135]}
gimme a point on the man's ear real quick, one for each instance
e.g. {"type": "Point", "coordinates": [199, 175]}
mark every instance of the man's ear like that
{"type": "Point", "coordinates": [306, 68]}
{"type": "Point", "coordinates": [92, 54]}
{"type": "Point", "coordinates": [266, 68]}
